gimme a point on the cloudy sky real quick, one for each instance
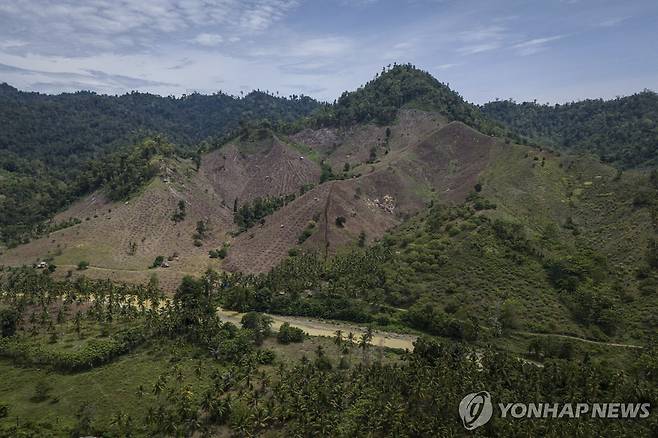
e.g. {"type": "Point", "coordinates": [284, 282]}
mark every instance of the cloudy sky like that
{"type": "Point", "coordinates": [549, 50]}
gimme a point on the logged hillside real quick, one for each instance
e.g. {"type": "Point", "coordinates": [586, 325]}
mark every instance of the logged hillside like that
{"type": "Point", "coordinates": [293, 183]}
{"type": "Point", "coordinates": [48, 142]}
{"type": "Point", "coordinates": [272, 192]}
{"type": "Point", "coordinates": [542, 243]}
{"type": "Point", "coordinates": [623, 131]}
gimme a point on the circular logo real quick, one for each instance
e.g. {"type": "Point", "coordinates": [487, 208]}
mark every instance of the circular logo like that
{"type": "Point", "coordinates": [476, 409]}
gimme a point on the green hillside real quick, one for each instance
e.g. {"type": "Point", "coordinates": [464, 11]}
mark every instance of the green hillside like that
{"type": "Point", "coordinates": [622, 131]}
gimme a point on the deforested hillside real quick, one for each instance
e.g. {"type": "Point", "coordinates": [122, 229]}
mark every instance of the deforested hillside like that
{"type": "Point", "coordinates": [49, 142]}
{"type": "Point", "coordinates": [370, 197]}
{"type": "Point", "coordinates": [542, 244]}
{"type": "Point", "coordinates": [273, 191]}
{"type": "Point", "coordinates": [263, 166]}
{"type": "Point", "coordinates": [155, 231]}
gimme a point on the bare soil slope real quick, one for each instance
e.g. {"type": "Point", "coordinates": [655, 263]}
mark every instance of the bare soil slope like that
{"type": "Point", "coordinates": [426, 158]}
{"type": "Point", "coordinates": [447, 164]}
{"type": "Point", "coordinates": [121, 240]}
{"type": "Point", "coordinates": [245, 170]}
{"type": "Point", "coordinates": [353, 144]}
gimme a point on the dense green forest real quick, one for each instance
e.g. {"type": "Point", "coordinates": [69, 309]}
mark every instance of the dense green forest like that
{"type": "Point", "coordinates": [54, 148]}
{"type": "Point", "coordinates": [64, 130]}
{"type": "Point", "coordinates": [622, 131]}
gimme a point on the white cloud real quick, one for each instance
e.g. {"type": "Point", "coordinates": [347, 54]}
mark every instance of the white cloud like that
{"type": "Point", "coordinates": [479, 48]}
{"type": "Point", "coordinates": [328, 46]}
{"type": "Point", "coordinates": [86, 26]}
{"type": "Point", "coordinates": [613, 21]}
{"type": "Point", "coordinates": [482, 39]}
{"type": "Point", "coordinates": [12, 44]}
{"type": "Point", "coordinates": [322, 47]}
{"type": "Point", "coordinates": [535, 45]}
{"type": "Point", "coordinates": [445, 66]}
{"type": "Point", "coordinates": [208, 39]}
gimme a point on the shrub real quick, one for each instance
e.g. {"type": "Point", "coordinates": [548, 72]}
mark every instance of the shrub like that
{"type": "Point", "coordinates": [96, 352]}
{"type": "Point", "coordinates": [218, 253]}
{"type": "Point", "coordinates": [259, 324]}
{"type": "Point", "coordinates": [180, 213]}
{"type": "Point", "coordinates": [362, 239]}
{"type": "Point", "coordinates": [643, 199]}
{"type": "Point", "coordinates": [652, 253]}
{"type": "Point", "coordinates": [509, 318]}
{"type": "Point", "coordinates": [8, 321]}
{"type": "Point", "coordinates": [340, 221]}
{"type": "Point", "coordinates": [41, 391]}
{"type": "Point", "coordinates": [288, 334]}
{"type": "Point", "coordinates": [308, 231]}
{"type": "Point", "coordinates": [83, 265]}
{"type": "Point", "coordinates": [265, 357]}
{"type": "Point", "coordinates": [158, 261]}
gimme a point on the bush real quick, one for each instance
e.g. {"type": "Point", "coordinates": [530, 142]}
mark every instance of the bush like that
{"type": "Point", "coordinates": [288, 334]}
{"type": "Point", "coordinates": [308, 231]}
{"type": "Point", "coordinates": [509, 318]}
{"type": "Point", "coordinates": [435, 322]}
{"type": "Point", "coordinates": [158, 261]}
{"type": "Point", "coordinates": [218, 253]}
{"type": "Point", "coordinates": [180, 213]}
{"type": "Point", "coordinates": [41, 391]}
{"type": "Point", "coordinates": [8, 321]}
{"type": "Point", "coordinates": [265, 357]}
{"type": "Point", "coordinates": [83, 265]}
{"type": "Point", "coordinates": [96, 352]}
{"type": "Point", "coordinates": [340, 221]}
{"type": "Point", "coordinates": [643, 199]}
{"type": "Point", "coordinates": [4, 410]}
{"type": "Point", "coordinates": [259, 324]}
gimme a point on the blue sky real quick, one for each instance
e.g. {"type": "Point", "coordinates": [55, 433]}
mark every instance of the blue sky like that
{"type": "Point", "coordinates": [549, 50]}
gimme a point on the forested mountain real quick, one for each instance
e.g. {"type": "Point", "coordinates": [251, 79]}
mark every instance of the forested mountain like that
{"type": "Point", "coordinates": [403, 86]}
{"type": "Point", "coordinates": [46, 141]}
{"type": "Point", "coordinates": [63, 130]}
{"type": "Point", "coordinates": [622, 131]}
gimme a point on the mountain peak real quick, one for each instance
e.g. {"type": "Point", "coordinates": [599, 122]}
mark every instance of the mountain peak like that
{"type": "Point", "coordinates": [403, 86]}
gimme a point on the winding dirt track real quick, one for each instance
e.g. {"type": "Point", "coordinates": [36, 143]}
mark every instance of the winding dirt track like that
{"type": "Point", "coordinates": [575, 338]}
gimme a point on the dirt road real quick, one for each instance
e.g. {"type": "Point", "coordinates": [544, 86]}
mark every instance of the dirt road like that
{"type": "Point", "coordinates": [575, 338]}
{"type": "Point", "coordinates": [316, 327]}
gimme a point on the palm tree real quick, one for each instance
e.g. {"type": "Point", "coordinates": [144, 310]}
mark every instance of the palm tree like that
{"type": "Point", "coordinates": [350, 338]}
{"type": "Point", "coordinates": [338, 340]}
